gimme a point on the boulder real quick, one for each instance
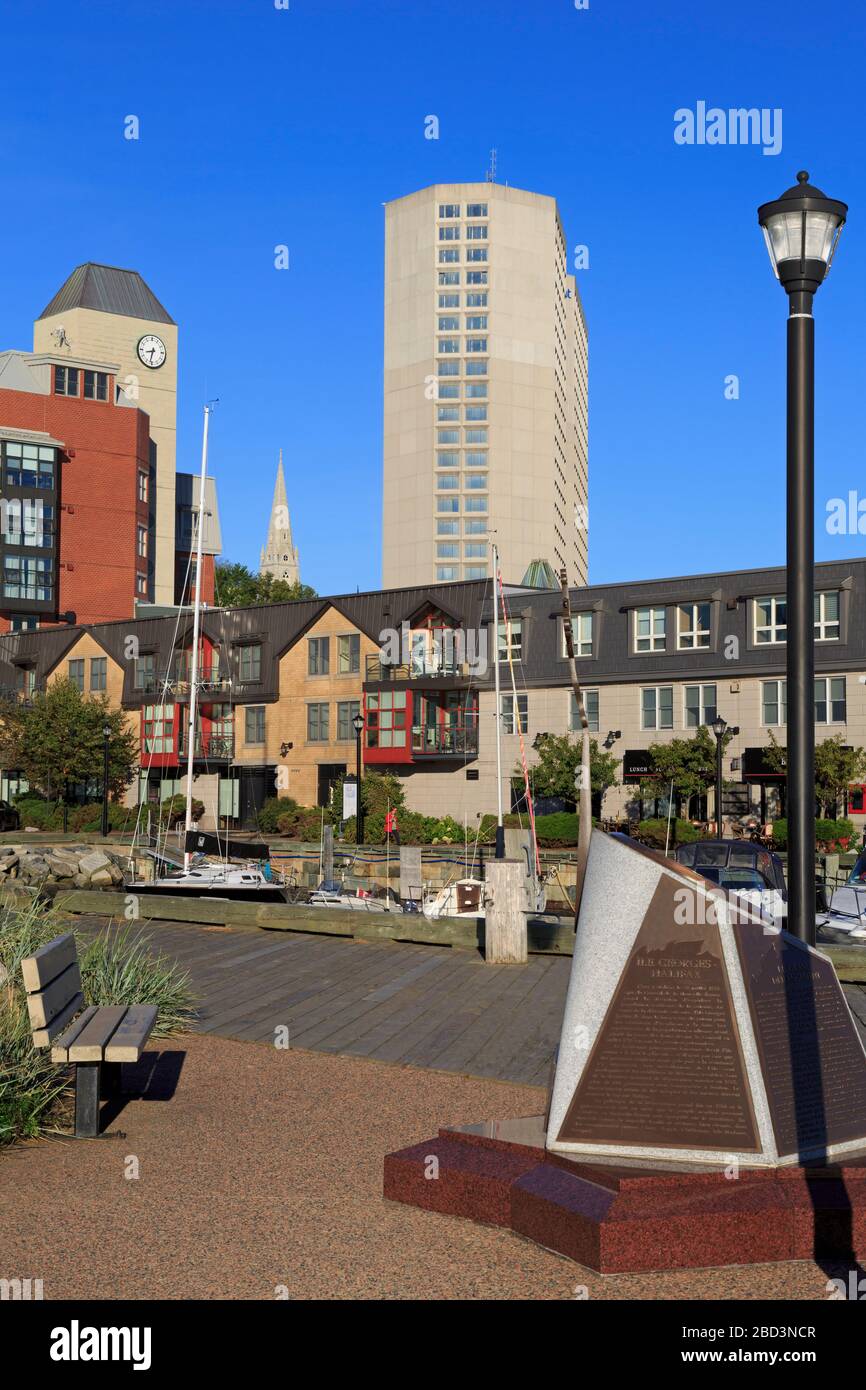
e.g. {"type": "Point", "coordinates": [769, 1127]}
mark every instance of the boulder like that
{"type": "Point", "coordinates": [93, 861]}
{"type": "Point", "coordinates": [101, 879]}
{"type": "Point", "coordinates": [81, 880]}
{"type": "Point", "coordinates": [61, 867]}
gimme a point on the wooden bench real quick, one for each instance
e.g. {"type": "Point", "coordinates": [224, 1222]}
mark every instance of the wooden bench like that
{"type": "Point", "coordinates": [95, 1040]}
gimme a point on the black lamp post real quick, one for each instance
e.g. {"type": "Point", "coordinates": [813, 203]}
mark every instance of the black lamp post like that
{"type": "Point", "coordinates": [801, 230]}
{"type": "Point", "coordinates": [106, 736]}
{"type": "Point", "coordinates": [719, 727]}
{"type": "Point", "coordinates": [358, 726]}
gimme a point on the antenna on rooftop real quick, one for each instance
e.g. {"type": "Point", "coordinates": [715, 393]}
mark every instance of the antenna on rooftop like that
{"type": "Point", "coordinates": [491, 168]}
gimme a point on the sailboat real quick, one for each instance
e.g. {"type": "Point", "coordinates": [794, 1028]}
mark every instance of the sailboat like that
{"type": "Point", "coordinates": [468, 896]}
{"type": "Point", "coordinates": [242, 870]}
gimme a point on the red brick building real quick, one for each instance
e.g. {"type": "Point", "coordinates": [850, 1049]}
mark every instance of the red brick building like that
{"type": "Point", "coordinates": [77, 527]}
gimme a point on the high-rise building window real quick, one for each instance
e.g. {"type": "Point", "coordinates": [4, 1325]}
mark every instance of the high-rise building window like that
{"type": "Point", "coordinates": [476, 389]}
{"type": "Point", "coordinates": [448, 368]}
{"type": "Point", "coordinates": [447, 528]}
{"type": "Point", "coordinates": [475, 572]}
{"type": "Point", "coordinates": [476, 480]}
{"type": "Point", "coordinates": [476, 253]}
{"type": "Point", "coordinates": [448, 345]}
{"type": "Point", "coordinates": [449, 233]}
{"type": "Point", "coordinates": [447, 550]}
{"type": "Point", "coordinates": [448, 504]}
{"type": "Point", "coordinates": [446, 482]}
{"type": "Point", "coordinates": [448, 323]}
{"type": "Point", "coordinates": [476, 412]}
{"type": "Point", "coordinates": [476, 209]}
{"type": "Point", "coordinates": [476, 504]}
{"type": "Point", "coordinates": [474, 322]}
{"type": "Point", "coordinates": [476, 277]}
{"type": "Point", "coordinates": [449, 301]}
{"type": "Point", "coordinates": [449, 209]}
{"type": "Point", "coordinates": [477, 437]}
{"type": "Point", "coordinates": [477, 300]}
{"type": "Point", "coordinates": [447, 437]}
{"type": "Point", "coordinates": [475, 528]}
{"type": "Point", "coordinates": [476, 367]}
{"type": "Point", "coordinates": [449, 255]}
{"type": "Point", "coordinates": [476, 233]}
{"type": "Point", "coordinates": [475, 550]}
{"type": "Point", "coordinates": [142, 487]}
{"type": "Point", "coordinates": [446, 572]}
{"type": "Point", "coordinates": [447, 391]}
{"type": "Point", "coordinates": [447, 460]}
{"type": "Point", "coordinates": [448, 412]}
{"type": "Point", "coordinates": [449, 277]}
{"type": "Point", "coordinates": [474, 460]}
{"type": "Point", "coordinates": [476, 344]}
{"type": "Point", "coordinates": [142, 542]}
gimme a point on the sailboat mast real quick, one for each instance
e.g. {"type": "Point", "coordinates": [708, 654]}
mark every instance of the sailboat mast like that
{"type": "Point", "coordinates": [500, 828]}
{"type": "Point", "coordinates": [196, 624]}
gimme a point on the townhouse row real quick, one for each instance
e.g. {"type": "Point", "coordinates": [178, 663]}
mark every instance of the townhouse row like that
{"type": "Point", "coordinates": [281, 687]}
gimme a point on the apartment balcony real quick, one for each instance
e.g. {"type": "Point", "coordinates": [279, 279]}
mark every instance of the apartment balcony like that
{"type": "Point", "coordinates": [212, 680]}
{"type": "Point", "coordinates": [440, 741]}
{"type": "Point", "coordinates": [431, 666]}
{"type": "Point", "coordinates": [212, 748]}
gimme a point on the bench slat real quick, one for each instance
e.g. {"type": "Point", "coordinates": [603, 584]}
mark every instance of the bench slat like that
{"type": "Point", "coordinates": [90, 1043]}
{"type": "Point", "coordinates": [42, 1036]}
{"type": "Point", "coordinates": [40, 969]}
{"type": "Point", "coordinates": [127, 1043]}
{"type": "Point", "coordinates": [60, 1046]}
{"type": "Point", "coordinates": [44, 1007]}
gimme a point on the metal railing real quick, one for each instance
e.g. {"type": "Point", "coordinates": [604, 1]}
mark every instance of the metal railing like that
{"type": "Point", "coordinates": [428, 667]}
{"type": "Point", "coordinates": [443, 741]}
{"type": "Point", "coordinates": [214, 747]}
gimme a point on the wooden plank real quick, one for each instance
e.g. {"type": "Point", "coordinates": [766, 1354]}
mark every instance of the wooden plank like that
{"type": "Point", "coordinates": [127, 1043]}
{"type": "Point", "coordinates": [60, 1048]}
{"type": "Point", "coordinates": [42, 1036]}
{"type": "Point", "coordinates": [49, 1002]}
{"type": "Point", "coordinates": [90, 1043]}
{"type": "Point", "coordinates": [43, 967]}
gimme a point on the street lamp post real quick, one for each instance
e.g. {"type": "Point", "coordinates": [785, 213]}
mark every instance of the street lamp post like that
{"type": "Point", "coordinates": [801, 230]}
{"type": "Point", "coordinates": [106, 736]}
{"type": "Point", "coordinates": [358, 726]}
{"type": "Point", "coordinates": [719, 728]}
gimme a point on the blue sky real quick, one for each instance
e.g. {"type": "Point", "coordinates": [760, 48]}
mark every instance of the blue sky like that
{"type": "Point", "coordinates": [262, 126]}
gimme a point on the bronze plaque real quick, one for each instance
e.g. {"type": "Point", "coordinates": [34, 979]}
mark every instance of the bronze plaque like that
{"type": "Point", "coordinates": [666, 1070]}
{"type": "Point", "coordinates": [812, 1060]}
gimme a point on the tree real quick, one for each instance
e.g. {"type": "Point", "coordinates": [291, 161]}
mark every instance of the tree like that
{"type": "Point", "coordinates": [58, 740]}
{"type": "Point", "coordinates": [690, 763]}
{"type": "Point", "coordinates": [836, 767]}
{"type": "Point", "coordinates": [559, 758]}
{"type": "Point", "coordinates": [237, 587]}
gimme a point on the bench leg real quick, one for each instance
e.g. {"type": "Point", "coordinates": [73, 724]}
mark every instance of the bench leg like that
{"type": "Point", "coordinates": [87, 1099]}
{"type": "Point", "coordinates": [111, 1084]}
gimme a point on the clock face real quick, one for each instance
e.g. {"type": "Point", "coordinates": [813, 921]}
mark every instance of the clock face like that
{"type": "Point", "coordinates": [151, 350]}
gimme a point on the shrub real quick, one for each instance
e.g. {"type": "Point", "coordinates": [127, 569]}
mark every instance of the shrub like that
{"type": "Point", "coordinates": [117, 969]}
{"type": "Point", "coordinates": [173, 810]}
{"type": "Point", "coordinates": [303, 823]}
{"type": "Point", "coordinates": [655, 832]}
{"type": "Point", "coordinates": [35, 810]}
{"type": "Point", "coordinates": [272, 812]}
{"type": "Point", "coordinates": [832, 832]}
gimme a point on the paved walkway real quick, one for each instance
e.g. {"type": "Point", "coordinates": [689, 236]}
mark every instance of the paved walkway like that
{"type": "Point", "coordinates": [423, 1006]}
{"type": "Point", "coordinates": [250, 1172]}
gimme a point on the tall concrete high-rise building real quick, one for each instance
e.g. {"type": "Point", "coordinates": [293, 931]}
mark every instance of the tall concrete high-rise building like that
{"type": "Point", "coordinates": [486, 418]}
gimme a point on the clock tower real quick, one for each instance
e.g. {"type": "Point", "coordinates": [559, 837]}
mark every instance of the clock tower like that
{"type": "Point", "coordinates": [279, 556]}
{"type": "Point", "coordinates": [106, 314]}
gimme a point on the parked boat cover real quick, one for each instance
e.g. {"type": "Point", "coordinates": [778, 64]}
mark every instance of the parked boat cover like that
{"type": "Point", "coordinates": [201, 842]}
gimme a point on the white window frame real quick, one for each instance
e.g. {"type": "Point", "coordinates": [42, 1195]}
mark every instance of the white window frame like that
{"type": "Point", "coordinates": [574, 725]}
{"type": "Point", "coordinates": [702, 702]}
{"type": "Point", "coordinates": [656, 690]}
{"type": "Point", "coordinates": [689, 638]}
{"type": "Point", "coordinates": [822, 622]}
{"type": "Point", "coordinates": [509, 723]}
{"type": "Point", "coordinates": [773, 627]}
{"type": "Point", "coordinates": [581, 632]}
{"type": "Point", "coordinates": [516, 632]}
{"type": "Point", "coordinates": [657, 641]}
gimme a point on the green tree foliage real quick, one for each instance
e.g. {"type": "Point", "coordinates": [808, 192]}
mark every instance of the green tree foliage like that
{"type": "Point", "coordinates": [237, 587]}
{"type": "Point", "coordinates": [690, 763]}
{"type": "Point", "coordinates": [836, 767]}
{"type": "Point", "coordinates": [58, 740]}
{"type": "Point", "coordinates": [558, 761]}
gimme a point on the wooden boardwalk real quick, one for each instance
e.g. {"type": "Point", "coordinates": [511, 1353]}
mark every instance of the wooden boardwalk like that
{"type": "Point", "coordinates": [423, 1006]}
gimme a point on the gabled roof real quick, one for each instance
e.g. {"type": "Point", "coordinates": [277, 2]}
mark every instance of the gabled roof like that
{"type": "Point", "coordinates": [109, 290]}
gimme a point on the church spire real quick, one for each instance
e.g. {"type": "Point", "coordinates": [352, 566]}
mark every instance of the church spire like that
{"type": "Point", "coordinates": [279, 556]}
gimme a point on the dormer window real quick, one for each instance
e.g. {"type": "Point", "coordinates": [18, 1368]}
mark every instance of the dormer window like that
{"type": "Point", "coordinates": [693, 629]}
{"type": "Point", "coordinates": [649, 629]}
{"type": "Point", "coordinates": [581, 633]}
{"type": "Point", "coordinates": [66, 381]}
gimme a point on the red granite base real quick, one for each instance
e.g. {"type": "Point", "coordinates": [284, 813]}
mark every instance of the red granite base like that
{"type": "Point", "coordinates": [627, 1219]}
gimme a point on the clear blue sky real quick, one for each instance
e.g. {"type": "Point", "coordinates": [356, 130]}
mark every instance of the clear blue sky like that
{"type": "Point", "coordinates": [262, 126]}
